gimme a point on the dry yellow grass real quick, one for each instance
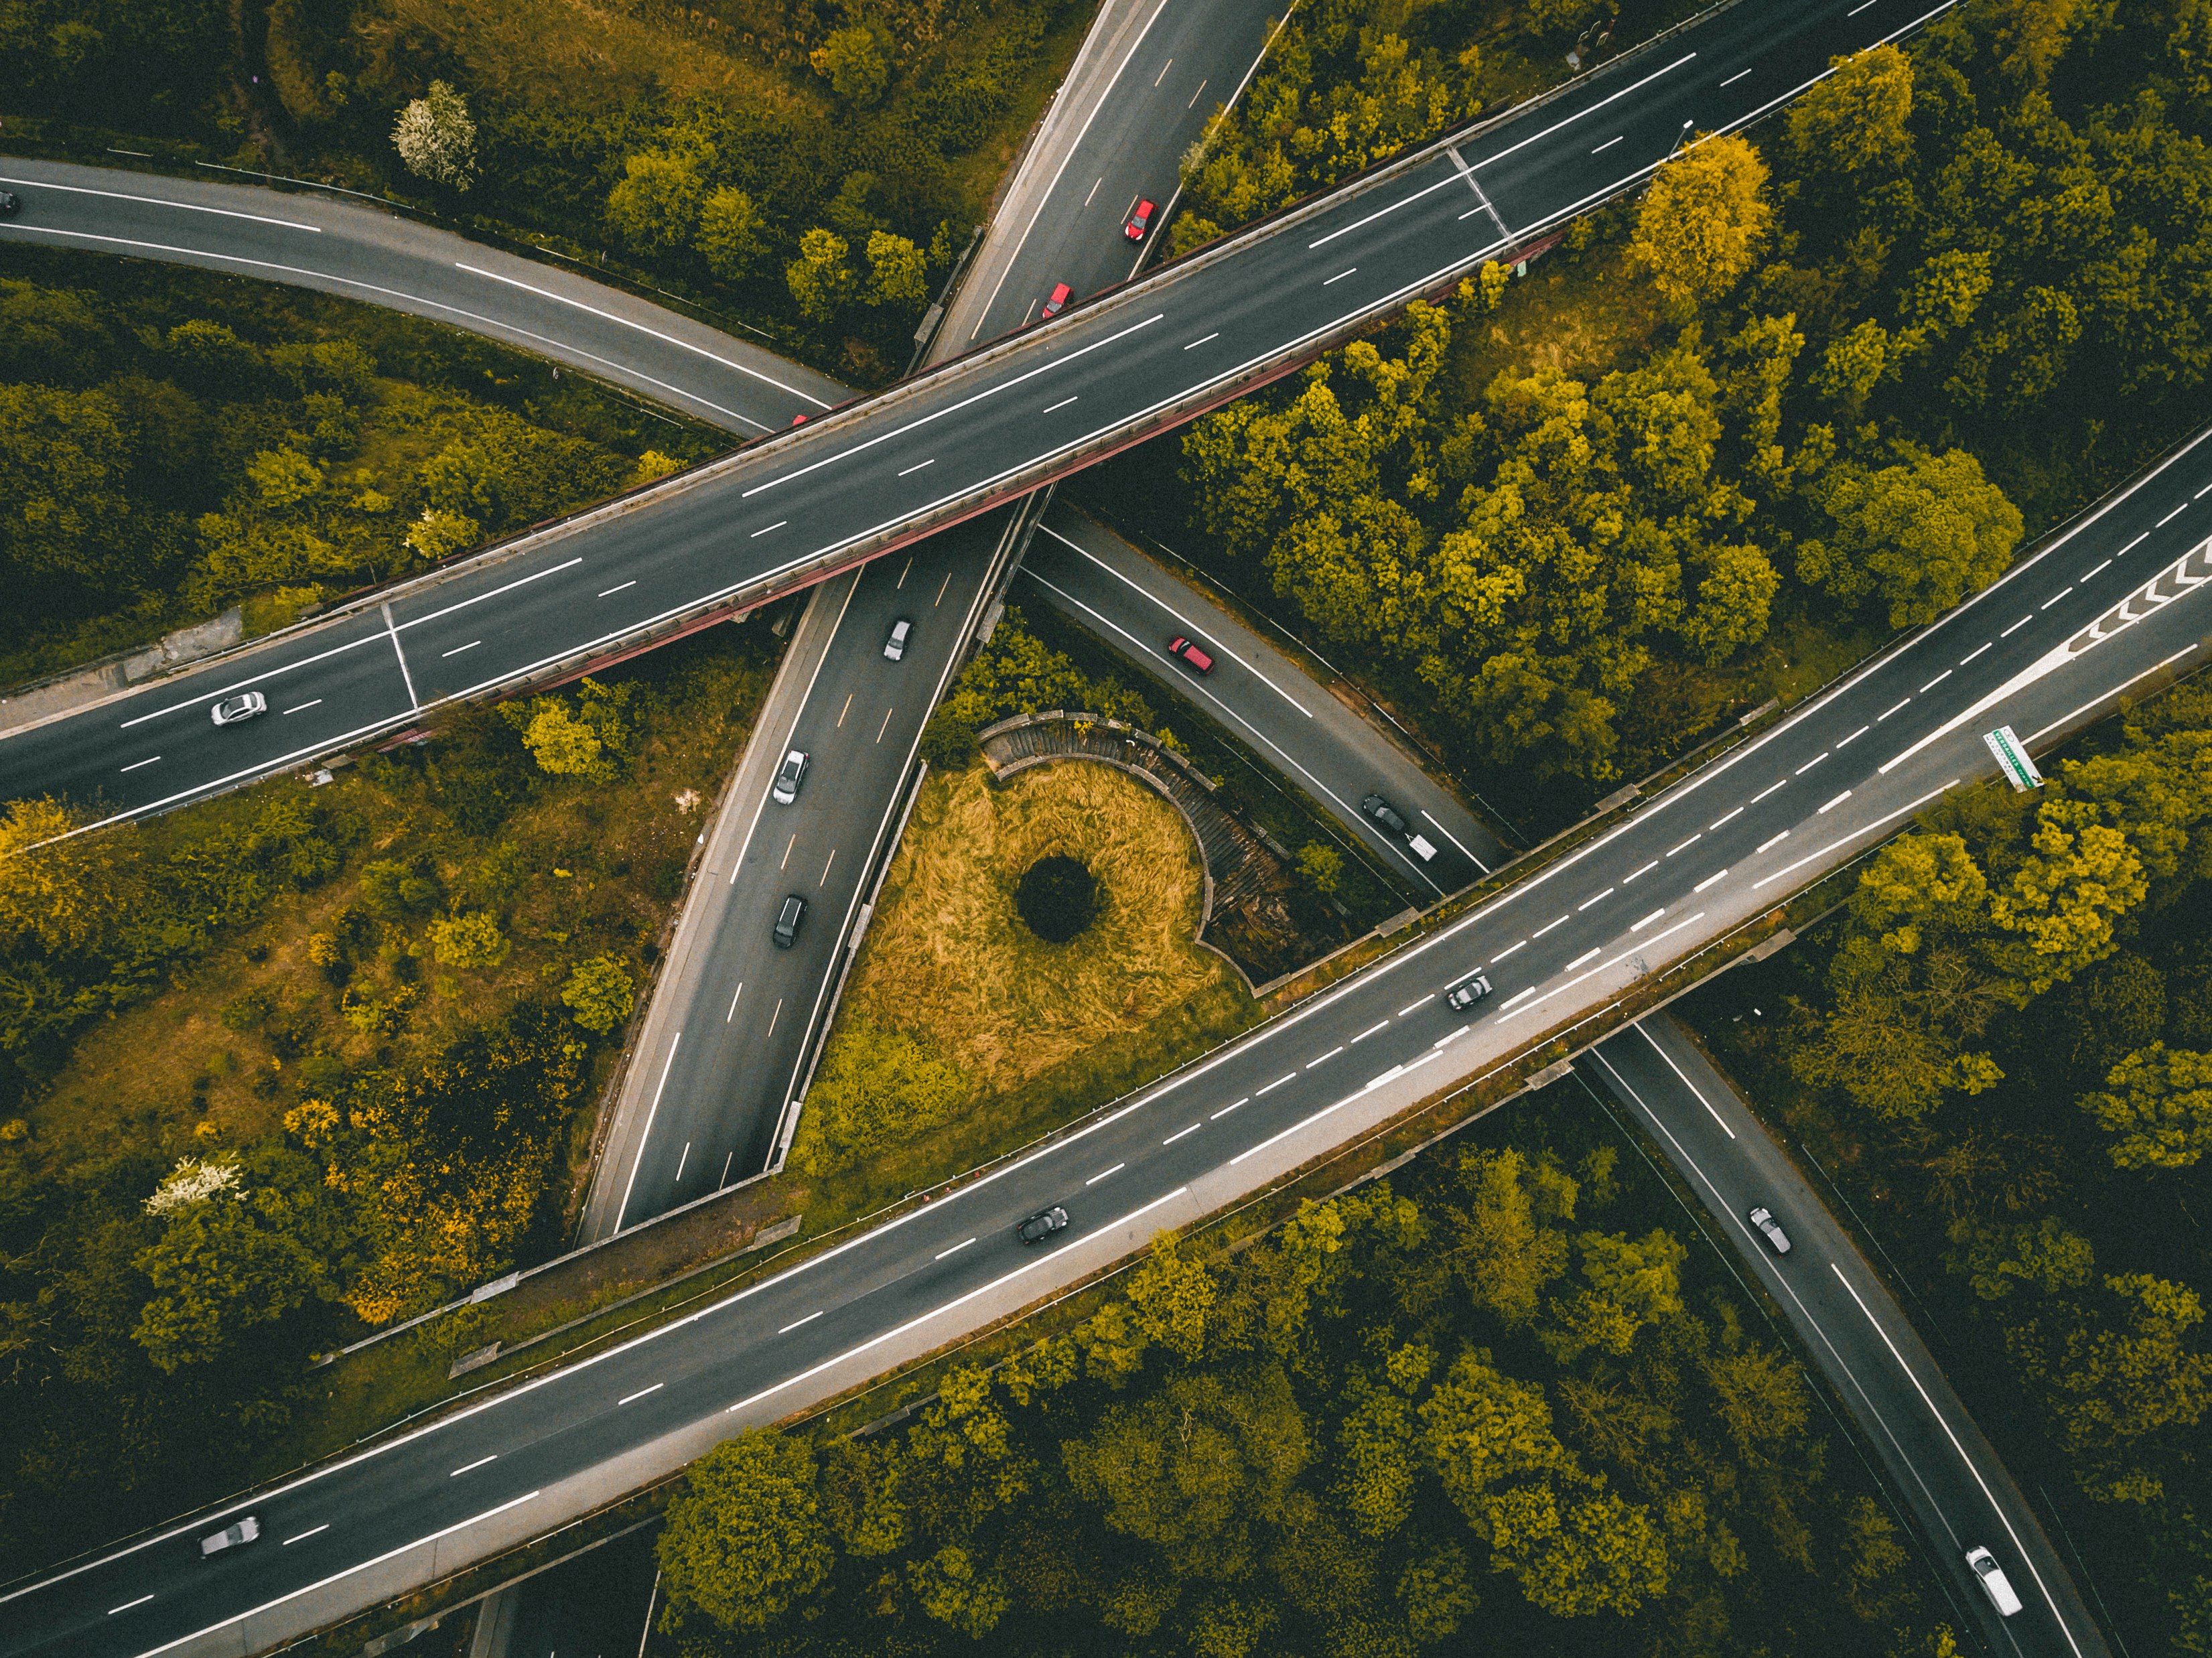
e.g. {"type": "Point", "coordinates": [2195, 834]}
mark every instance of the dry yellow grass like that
{"type": "Point", "coordinates": [569, 49]}
{"type": "Point", "coordinates": [948, 960]}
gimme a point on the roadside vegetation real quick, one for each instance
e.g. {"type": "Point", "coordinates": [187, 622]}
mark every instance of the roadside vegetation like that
{"type": "Point", "coordinates": [959, 1011]}
{"type": "Point", "coordinates": [1812, 387]}
{"type": "Point", "coordinates": [282, 1068]}
{"type": "Point", "coordinates": [178, 442]}
{"type": "Point", "coordinates": [814, 167]}
{"type": "Point", "coordinates": [1496, 1400]}
{"type": "Point", "coordinates": [2003, 1049]}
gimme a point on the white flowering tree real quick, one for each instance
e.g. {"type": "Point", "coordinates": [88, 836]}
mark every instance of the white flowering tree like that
{"type": "Point", "coordinates": [437, 137]}
{"type": "Point", "coordinates": [194, 1182]}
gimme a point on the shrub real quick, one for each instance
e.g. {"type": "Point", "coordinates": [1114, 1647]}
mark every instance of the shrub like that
{"type": "Point", "coordinates": [599, 994]}
{"type": "Point", "coordinates": [470, 940]}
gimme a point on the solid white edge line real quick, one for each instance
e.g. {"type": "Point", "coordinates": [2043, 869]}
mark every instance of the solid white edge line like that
{"type": "Point", "coordinates": [625, 322]}
{"type": "Point", "coordinates": [1906, 811]}
{"type": "Point", "coordinates": [1695, 1091]}
{"type": "Point", "coordinates": [2027, 1559]}
{"type": "Point", "coordinates": [646, 1137]}
{"type": "Point", "coordinates": [162, 201]}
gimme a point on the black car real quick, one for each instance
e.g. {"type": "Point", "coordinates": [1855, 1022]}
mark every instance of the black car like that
{"type": "Point", "coordinates": [788, 920]}
{"type": "Point", "coordinates": [1384, 812]}
{"type": "Point", "coordinates": [1042, 1224]}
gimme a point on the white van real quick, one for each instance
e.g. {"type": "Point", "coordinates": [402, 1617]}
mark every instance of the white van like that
{"type": "Point", "coordinates": [2001, 1595]}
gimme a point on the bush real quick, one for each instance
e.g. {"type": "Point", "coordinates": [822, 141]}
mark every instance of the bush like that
{"type": "Point", "coordinates": [470, 940]}
{"type": "Point", "coordinates": [599, 994]}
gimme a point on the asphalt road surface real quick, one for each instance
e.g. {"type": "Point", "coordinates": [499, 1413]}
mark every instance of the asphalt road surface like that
{"type": "Point", "coordinates": [379, 256]}
{"type": "Point", "coordinates": [1718, 849]}
{"type": "Point", "coordinates": [990, 425]}
{"type": "Point", "coordinates": [1935, 1455]}
{"type": "Point", "coordinates": [720, 1053]}
{"type": "Point", "coordinates": [1146, 85]}
{"type": "Point", "coordinates": [1261, 695]}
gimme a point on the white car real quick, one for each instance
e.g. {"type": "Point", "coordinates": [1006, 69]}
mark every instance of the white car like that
{"type": "Point", "coordinates": [789, 775]}
{"type": "Point", "coordinates": [2000, 1592]}
{"type": "Point", "coordinates": [231, 1536]}
{"type": "Point", "coordinates": [244, 706]}
{"type": "Point", "coordinates": [1763, 1218]}
{"type": "Point", "coordinates": [894, 647]}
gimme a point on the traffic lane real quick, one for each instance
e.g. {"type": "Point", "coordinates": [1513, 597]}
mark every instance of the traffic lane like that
{"type": "Point", "coordinates": [1937, 1458]}
{"type": "Point", "coordinates": [1138, 608]}
{"type": "Point", "coordinates": [384, 257]}
{"type": "Point", "coordinates": [1733, 67]}
{"type": "Point", "coordinates": [1130, 148]}
{"type": "Point", "coordinates": [1224, 704]}
{"type": "Point", "coordinates": [135, 752]}
{"type": "Point", "coordinates": [751, 1004]}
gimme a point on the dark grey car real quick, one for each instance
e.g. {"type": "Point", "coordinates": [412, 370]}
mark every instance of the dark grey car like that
{"type": "Point", "coordinates": [788, 920]}
{"type": "Point", "coordinates": [1042, 1224]}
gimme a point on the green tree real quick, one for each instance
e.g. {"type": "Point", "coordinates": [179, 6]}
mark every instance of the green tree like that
{"type": "Point", "coordinates": [283, 478]}
{"type": "Point", "coordinates": [1195, 1465]}
{"type": "Point", "coordinates": [1508, 1248]}
{"type": "Point", "coordinates": [950, 1590]}
{"type": "Point", "coordinates": [2158, 1108]}
{"type": "Point", "coordinates": [820, 280]}
{"type": "Point", "coordinates": [732, 235]}
{"type": "Point", "coordinates": [243, 1257]}
{"type": "Point", "coordinates": [1701, 225]}
{"type": "Point", "coordinates": [852, 60]}
{"type": "Point", "coordinates": [1855, 121]}
{"type": "Point", "coordinates": [1627, 1283]}
{"type": "Point", "coordinates": [599, 994]}
{"type": "Point", "coordinates": [655, 207]}
{"type": "Point", "coordinates": [1172, 1298]}
{"type": "Point", "coordinates": [1918, 537]}
{"type": "Point", "coordinates": [875, 1088]}
{"type": "Point", "coordinates": [746, 1538]}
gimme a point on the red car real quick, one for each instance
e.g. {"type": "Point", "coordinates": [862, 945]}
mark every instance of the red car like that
{"type": "Point", "coordinates": [1057, 303]}
{"type": "Point", "coordinates": [1190, 653]}
{"type": "Point", "coordinates": [1139, 223]}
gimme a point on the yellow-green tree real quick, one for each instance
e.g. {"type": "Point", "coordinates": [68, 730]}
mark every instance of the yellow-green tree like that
{"type": "Point", "coordinates": [732, 235]}
{"type": "Point", "coordinates": [852, 61]}
{"type": "Point", "coordinates": [819, 279]}
{"type": "Point", "coordinates": [1855, 121]}
{"type": "Point", "coordinates": [471, 939]}
{"type": "Point", "coordinates": [62, 890]}
{"type": "Point", "coordinates": [2158, 1108]}
{"type": "Point", "coordinates": [1701, 225]}
{"type": "Point", "coordinates": [746, 1538]}
{"type": "Point", "coordinates": [599, 994]}
{"type": "Point", "coordinates": [655, 205]}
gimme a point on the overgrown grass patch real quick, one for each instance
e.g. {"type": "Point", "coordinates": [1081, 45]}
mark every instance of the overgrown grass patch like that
{"type": "Point", "coordinates": [962, 1031]}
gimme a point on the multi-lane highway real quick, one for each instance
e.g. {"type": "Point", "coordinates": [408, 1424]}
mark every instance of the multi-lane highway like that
{"type": "Point", "coordinates": [1718, 848]}
{"type": "Point", "coordinates": [986, 425]}
{"type": "Point", "coordinates": [1852, 1328]}
{"type": "Point", "coordinates": [1148, 80]}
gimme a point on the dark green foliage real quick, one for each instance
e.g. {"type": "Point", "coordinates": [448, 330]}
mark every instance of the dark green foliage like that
{"type": "Point", "coordinates": [1326, 1444]}
{"type": "Point", "coordinates": [2025, 1129]}
{"type": "Point", "coordinates": [1058, 898]}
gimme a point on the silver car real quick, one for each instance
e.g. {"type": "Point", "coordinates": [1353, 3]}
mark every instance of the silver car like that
{"type": "Point", "coordinates": [244, 706]}
{"type": "Point", "coordinates": [894, 647]}
{"type": "Point", "coordinates": [231, 1536]}
{"type": "Point", "coordinates": [1763, 1218]}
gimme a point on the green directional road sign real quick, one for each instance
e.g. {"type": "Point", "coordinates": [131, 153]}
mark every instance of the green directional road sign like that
{"type": "Point", "coordinates": [2011, 759]}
